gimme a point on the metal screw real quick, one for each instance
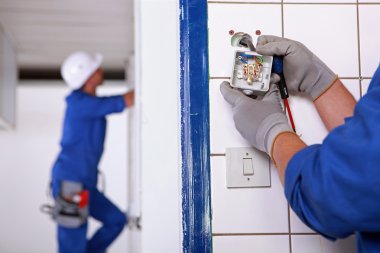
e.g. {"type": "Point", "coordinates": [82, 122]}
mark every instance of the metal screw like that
{"type": "Point", "coordinates": [231, 32]}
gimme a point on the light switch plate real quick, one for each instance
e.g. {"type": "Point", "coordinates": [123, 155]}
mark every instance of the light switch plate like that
{"type": "Point", "coordinates": [237, 161]}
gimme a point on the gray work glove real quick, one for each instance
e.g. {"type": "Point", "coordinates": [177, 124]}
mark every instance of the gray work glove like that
{"type": "Point", "coordinates": [259, 121]}
{"type": "Point", "coordinates": [303, 70]}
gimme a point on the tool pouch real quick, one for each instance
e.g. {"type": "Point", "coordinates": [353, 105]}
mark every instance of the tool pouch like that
{"type": "Point", "coordinates": [71, 205]}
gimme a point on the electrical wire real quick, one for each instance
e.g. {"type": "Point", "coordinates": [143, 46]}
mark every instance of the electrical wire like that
{"type": "Point", "coordinates": [287, 106]}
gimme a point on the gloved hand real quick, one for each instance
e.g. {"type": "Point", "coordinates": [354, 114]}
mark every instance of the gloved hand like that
{"type": "Point", "coordinates": [259, 121]}
{"type": "Point", "coordinates": [303, 70]}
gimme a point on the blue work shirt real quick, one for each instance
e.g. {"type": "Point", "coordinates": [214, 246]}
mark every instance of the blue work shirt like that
{"type": "Point", "coordinates": [84, 131]}
{"type": "Point", "coordinates": [334, 187]}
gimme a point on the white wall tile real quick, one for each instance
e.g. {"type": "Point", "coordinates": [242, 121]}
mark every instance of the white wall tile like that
{"type": "Point", "coordinates": [249, 244]}
{"type": "Point", "coordinates": [353, 86]}
{"type": "Point", "coordinates": [317, 244]}
{"type": "Point", "coordinates": [246, 210]}
{"type": "Point", "coordinates": [223, 133]}
{"type": "Point", "coordinates": [319, 1]}
{"type": "Point", "coordinates": [369, 1]}
{"type": "Point", "coordinates": [240, 18]}
{"type": "Point", "coordinates": [317, 26]}
{"type": "Point", "coordinates": [369, 38]}
{"type": "Point", "coordinates": [297, 226]}
{"type": "Point", "coordinates": [308, 123]}
{"type": "Point", "coordinates": [212, 2]}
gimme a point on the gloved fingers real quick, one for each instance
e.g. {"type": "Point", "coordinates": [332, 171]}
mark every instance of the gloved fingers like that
{"type": "Point", "coordinates": [273, 94]}
{"type": "Point", "coordinates": [230, 94]}
{"type": "Point", "coordinates": [274, 78]}
{"type": "Point", "coordinates": [264, 39]}
{"type": "Point", "coordinates": [274, 48]}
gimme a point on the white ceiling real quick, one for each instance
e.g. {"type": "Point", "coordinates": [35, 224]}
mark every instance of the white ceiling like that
{"type": "Point", "coordinates": [45, 31]}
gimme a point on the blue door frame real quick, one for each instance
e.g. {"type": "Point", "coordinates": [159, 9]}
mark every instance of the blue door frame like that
{"type": "Point", "coordinates": [195, 127]}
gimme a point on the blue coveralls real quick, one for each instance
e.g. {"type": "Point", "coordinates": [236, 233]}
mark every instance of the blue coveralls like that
{"type": "Point", "coordinates": [82, 144]}
{"type": "Point", "coordinates": [334, 187]}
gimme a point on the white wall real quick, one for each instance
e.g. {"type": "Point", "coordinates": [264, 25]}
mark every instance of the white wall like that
{"type": "Point", "coordinates": [27, 154]}
{"type": "Point", "coordinates": [160, 132]}
{"type": "Point", "coordinates": [258, 220]}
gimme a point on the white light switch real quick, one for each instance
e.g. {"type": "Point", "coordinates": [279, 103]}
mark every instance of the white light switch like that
{"type": "Point", "coordinates": [247, 167]}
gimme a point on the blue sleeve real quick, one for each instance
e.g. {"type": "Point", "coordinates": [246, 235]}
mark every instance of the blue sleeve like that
{"type": "Point", "coordinates": [375, 82]}
{"type": "Point", "coordinates": [92, 106]}
{"type": "Point", "coordinates": [334, 187]}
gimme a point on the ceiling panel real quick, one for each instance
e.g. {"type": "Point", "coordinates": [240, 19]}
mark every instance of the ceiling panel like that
{"type": "Point", "coordinates": [45, 31]}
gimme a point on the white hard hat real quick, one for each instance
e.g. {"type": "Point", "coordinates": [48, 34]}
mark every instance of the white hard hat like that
{"type": "Point", "coordinates": [78, 67]}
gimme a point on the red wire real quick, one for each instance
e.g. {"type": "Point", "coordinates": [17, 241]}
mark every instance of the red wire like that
{"type": "Point", "coordinates": [290, 114]}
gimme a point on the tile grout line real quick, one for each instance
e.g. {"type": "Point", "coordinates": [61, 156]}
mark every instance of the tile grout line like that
{"type": "Point", "coordinates": [210, 155]}
{"type": "Point", "coordinates": [283, 34]}
{"type": "Point", "coordinates": [290, 231]}
{"type": "Point", "coordinates": [217, 154]}
{"type": "Point", "coordinates": [319, 3]}
{"type": "Point", "coordinates": [261, 234]}
{"type": "Point", "coordinates": [340, 77]}
{"type": "Point", "coordinates": [282, 19]}
{"type": "Point", "coordinates": [359, 49]}
{"type": "Point", "coordinates": [249, 3]}
{"type": "Point", "coordinates": [218, 77]}
{"type": "Point", "coordinates": [294, 3]}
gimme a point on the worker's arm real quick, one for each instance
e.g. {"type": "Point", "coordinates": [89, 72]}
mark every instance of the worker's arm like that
{"type": "Point", "coordinates": [129, 98]}
{"type": "Point", "coordinates": [334, 186]}
{"type": "Point", "coordinates": [334, 105]}
{"type": "Point", "coordinates": [285, 146]}
{"type": "Point", "coordinates": [91, 106]}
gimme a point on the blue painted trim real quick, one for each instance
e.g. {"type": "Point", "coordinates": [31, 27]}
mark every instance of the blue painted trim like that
{"type": "Point", "coordinates": [195, 127]}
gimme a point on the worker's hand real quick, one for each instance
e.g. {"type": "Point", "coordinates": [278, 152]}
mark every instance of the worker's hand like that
{"type": "Point", "coordinates": [259, 121]}
{"type": "Point", "coordinates": [129, 98]}
{"type": "Point", "coordinates": [303, 70]}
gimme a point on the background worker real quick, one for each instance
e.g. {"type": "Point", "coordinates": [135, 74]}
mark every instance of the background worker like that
{"type": "Point", "coordinates": [75, 172]}
{"type": "Point", "coordinates": [334, 187]}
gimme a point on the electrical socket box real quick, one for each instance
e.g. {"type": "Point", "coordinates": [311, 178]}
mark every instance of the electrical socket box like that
{"type": "Point", "coordinates": [251, 72]}
{"type": "Point", "coordinates": [247, 167]}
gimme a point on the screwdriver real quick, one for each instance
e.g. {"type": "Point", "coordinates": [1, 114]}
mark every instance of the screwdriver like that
{"type": "Point", "coordinates": [277, 67]}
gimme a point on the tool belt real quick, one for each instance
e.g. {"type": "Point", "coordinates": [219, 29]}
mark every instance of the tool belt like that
{"type": "Point", "coordinates": [70, 209]}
